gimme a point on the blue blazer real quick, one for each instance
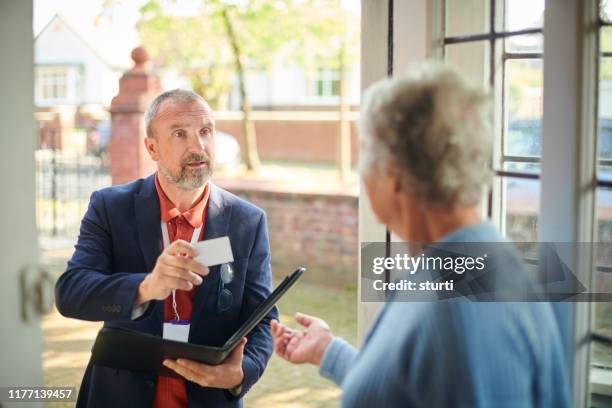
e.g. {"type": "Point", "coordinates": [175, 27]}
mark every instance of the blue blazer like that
{"type": "Point", "coordinates": [119, 243]}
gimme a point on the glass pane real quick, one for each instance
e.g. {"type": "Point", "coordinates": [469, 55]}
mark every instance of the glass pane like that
{"type": "Point", "coordinates": [602, 355]}
{"type": "Point", "coordinates": [523, 107]}
{"type": "Point", "coordinates": [335, 91]}
{"type": "Point", "coordinates": [604, 215]}
{"type": "Point", "coordinates": [522, 202]}
{"type": "Point", "coordinates": [605, 37]}
{"type": "Point", "coordinates": [523, 14]}
{"type": "Point", "coordinates": [604, 143]}
{"type": "Point", "coordinates": [532, 168]}
{"type": "Point", "coordinates": [471, 59]}
{"type": "Point", "coordinates": [464, 17]}
{"type": "Point", "coordinates": [605, 10]}
{"type": "Point", "coordinates": [525, 43]}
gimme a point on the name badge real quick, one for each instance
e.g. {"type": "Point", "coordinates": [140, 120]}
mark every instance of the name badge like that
{"type": "Point", "coordinates": [177, 330]}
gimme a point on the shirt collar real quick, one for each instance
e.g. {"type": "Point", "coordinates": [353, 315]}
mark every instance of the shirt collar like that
{"type": "Point", "coordinates": [169, 211]}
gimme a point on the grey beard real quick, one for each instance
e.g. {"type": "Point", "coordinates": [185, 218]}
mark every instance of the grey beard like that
{"type": "Point", "coordinates": [187, 179]}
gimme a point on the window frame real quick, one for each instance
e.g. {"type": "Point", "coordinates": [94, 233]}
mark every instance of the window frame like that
{"type": "Point", "coordinates": [496, 201]}
{"type": "Point", "coordinates": [73, 84]}
{"type": "Point", "coordinates": [413, 30]}
{"type": "Point", "coordinates": [575, 318]}
{"type": "Point", "coordinates": [598, 388]}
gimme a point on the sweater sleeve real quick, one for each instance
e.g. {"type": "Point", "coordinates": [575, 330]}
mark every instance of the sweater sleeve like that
{"type": "Point", "coordinates": [337, 360]}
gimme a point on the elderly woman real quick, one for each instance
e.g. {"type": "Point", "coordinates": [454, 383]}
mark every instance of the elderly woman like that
{"type": "Point", "coordinates": [426, 146]}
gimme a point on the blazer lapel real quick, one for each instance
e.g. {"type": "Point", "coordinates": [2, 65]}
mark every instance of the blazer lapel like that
{"type": "Point", "coordinates": [146, 204]}
{"type": "Point", "coordinates": [217, 224]}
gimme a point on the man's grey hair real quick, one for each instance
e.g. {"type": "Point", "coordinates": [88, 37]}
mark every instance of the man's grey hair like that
{"type": "Point", "coordinates": [433, 127]}
{"type": "Point", "coordinates": [177, 96]}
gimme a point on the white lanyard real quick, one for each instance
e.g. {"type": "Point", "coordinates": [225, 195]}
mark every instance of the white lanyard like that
{"type": "Point", "coordinates": [166, 242]}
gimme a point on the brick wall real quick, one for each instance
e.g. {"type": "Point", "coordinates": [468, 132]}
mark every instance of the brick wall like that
{"type": "Point", "coordinates": [129, 158]}
{"type": "Point", "coordinates": [318, 231]}
{"type": "Point", "coordinates": [312, 141]}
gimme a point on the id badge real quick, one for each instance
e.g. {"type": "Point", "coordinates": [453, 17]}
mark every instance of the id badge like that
{"type": "Point", "coordinates": [177, 330]}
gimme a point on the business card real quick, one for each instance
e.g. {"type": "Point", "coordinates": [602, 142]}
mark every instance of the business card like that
{"type": "Point", "coordinates": [214, 251]}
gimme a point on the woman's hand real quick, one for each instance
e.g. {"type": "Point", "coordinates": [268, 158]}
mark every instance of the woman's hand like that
{"type": "Point", "coordinates": [302, 346]}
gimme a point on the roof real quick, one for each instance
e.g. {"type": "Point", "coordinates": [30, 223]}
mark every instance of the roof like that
{"type": "Point", "coordinates": [105, 44]}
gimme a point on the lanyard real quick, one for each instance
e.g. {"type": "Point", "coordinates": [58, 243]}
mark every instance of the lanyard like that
{"type": "Point", "coordinates": [166, 242]}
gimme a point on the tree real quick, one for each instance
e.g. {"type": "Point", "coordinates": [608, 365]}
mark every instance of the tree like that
{"type": "Point", "coordinates": [225, 37]}
{"type": "Point", "coordinates": [177, 41]}
{"type": "Point", "coordinates": [329, 35]}
{"type": "Point", "coordinates": [250, 137]}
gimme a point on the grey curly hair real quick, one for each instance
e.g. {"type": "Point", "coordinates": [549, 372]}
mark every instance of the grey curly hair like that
{"type": "Point", "coordinates": [432, 126]}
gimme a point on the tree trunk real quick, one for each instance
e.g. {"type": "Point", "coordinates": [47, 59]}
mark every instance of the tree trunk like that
{"type": "Point", "coordinates": [249, 155]}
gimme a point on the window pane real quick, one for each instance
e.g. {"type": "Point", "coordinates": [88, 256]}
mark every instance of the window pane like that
{"type": "Point", "coordinates": [52, 84]}
{"type": "Point", "coordinates": [523, 99]}
{"type": "Point", "coordinates": [525, 43]}
{"type": "Point", "coordinates": [604, 143]}
{"type": "Point", "coordinates": [605, 122]}
{"type": "Point", "coordinates": [464, 17]}
{"type": "Point", "coordinates": [602, 355]}
{"type": "Point", "coordinates": [522, 202]}
{"type": "Point", "coordinates": [523, 167]}
{"type": "Point", "coordinates": [605, 10]}
{"type": "Point", "coordinates": [471, 59]}
{"type": "Point", "coordinates": [606, 39]}
{"type": "Point", "coordinates": [523, 14]}
{"type": "Point", "coordinates": [604, 215]}
{"type": "Point", "coordinates": [605, 173]}
{"type": "Point", "coordinates": [335, 87]}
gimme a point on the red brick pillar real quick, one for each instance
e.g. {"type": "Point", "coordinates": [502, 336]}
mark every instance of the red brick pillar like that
{"type": "Point", "coordinates": [129, 159]}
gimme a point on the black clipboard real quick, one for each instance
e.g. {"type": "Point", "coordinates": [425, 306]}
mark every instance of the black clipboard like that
{"type": "Point", "coordinates": [132, 350]}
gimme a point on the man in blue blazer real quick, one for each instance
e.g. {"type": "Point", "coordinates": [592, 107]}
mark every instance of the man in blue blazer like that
{"type": "Point", "coordinates": [123, 272]}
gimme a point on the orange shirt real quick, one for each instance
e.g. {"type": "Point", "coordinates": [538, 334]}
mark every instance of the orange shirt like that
{"type": "Point", "coordinates": [171, 392]}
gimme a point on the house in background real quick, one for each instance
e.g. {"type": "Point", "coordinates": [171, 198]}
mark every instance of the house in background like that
{"type": "Point", "coordinates": [77, 72]}
{"type": "Point", "coordinates": [74, 84]}
{"type": "Point", "coordinates": [296, 112]}
{"type": "Point", "coordinates": [292, 87]}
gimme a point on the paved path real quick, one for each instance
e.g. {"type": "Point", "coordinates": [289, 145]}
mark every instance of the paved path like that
{"type": "Point", "coordinates": [68, 343]}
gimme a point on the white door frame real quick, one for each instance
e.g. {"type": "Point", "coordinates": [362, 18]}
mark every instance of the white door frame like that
{"type": "Point", "coordinates": [21, 340]}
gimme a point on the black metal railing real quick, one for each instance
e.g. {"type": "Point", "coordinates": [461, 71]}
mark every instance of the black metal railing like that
{"type": "Point", "coordinates": [64, 183]}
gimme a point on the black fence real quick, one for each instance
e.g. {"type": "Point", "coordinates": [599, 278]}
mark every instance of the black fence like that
{"type": "Point", "coordinates": [64, 183]}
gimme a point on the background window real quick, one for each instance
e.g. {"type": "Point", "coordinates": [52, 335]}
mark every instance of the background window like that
{"type": "Point", "coordinates": [326, 83]}
{"type": "Point", "coordinates": [55, 84]}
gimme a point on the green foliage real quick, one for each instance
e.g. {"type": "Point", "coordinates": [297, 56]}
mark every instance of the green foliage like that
{"type": "Point", "coordinates": [310, 33]}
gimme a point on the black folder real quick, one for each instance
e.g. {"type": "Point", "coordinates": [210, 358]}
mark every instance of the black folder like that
{"type": "Point", "coordinates": [132, 350]}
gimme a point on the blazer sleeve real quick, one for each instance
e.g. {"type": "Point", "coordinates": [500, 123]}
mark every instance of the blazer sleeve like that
{"type": "Point", "coordinates": [89, 289]}
{"type": "Point", "coordinates": [258, 287]}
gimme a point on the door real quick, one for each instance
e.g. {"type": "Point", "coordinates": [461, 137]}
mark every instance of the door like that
{"type": "Point", "coordinates": [20, 336]}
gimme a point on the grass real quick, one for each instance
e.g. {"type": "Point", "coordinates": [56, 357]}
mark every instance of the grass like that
{"type": "Point", "coordinates": [287, 385]}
